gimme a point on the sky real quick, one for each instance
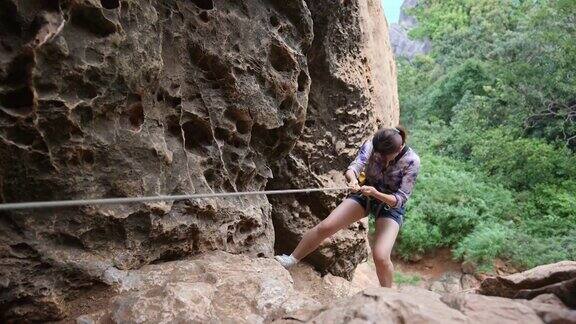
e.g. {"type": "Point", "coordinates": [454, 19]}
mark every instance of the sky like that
{"type": "Point", "coordinates": [392, 9]}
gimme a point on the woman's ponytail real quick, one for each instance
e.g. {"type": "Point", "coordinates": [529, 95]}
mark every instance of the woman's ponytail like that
{"type": "Point", "coordinates": [402, 131]}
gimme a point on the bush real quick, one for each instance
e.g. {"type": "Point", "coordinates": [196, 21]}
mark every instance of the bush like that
{"type": "Point", "coordinates": [448, 203]}
{"type": "Point", "coordinates": [484, 244]}
{"type": "Point", "coordinates": [528, 251]}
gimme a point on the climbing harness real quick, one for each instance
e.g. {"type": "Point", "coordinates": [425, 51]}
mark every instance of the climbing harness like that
{"type": "Point", "coordinates": [126, 200]}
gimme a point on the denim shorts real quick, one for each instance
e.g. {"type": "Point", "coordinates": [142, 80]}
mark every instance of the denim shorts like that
{"type": "Point", "coordinates": [396, 214]}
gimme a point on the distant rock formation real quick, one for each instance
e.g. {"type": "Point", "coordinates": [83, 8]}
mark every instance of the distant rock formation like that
{"type": "Point", "coordinates": [402, 44]}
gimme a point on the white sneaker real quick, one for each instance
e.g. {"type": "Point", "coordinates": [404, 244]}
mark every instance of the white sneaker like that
{"type": "Point", "coordinates": [287, 261]}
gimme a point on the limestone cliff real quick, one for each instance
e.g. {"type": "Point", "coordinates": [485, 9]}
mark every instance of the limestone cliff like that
{"type": "Point", "coordinates": [123, 98]}
{"type": "Point", "coordinates": [353, 93]}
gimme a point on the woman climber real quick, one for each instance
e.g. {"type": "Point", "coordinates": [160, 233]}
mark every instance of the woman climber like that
{"type": "Point", "coordinates": [390, 168]}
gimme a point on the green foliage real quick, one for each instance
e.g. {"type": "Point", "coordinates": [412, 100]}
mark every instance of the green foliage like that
{"type": "Point", "coordinates": [528, 251]}
{"type": "Point", "coordinates": [406, 279]}
{"type": "Point", "coordinates": [448, 204]}
{"type": "Point", "coordinates": [486, 242]}
{"type": "Point", "coordinates": [492, 111]}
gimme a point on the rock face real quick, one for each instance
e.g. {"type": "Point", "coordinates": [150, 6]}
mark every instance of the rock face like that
{"type": "Point", "coordinates": [402, 44]}
{"type": "Point", "coordinates": [103, 98]}
{"type": "Point", "coordinates": [123, 98]}
{"type": "Point", "coordinates": [558, 279]}
{"type": "Point", "coordinates": [353, 92]}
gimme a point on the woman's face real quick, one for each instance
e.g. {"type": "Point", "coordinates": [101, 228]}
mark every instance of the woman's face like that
{"type": "Point", "coordinates": [388, 157]}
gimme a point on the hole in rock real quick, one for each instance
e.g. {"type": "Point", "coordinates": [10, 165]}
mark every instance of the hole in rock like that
{"type": "Point", "coordinates": [241, 118]}
{"type": "Point", "coordinates": [87, 156]}
{"type": "Point", "coordinates": [244, 126]}
{"type": "Point", "coordinates": [310, 123]}
{"type": "Point", "coordinates": [170, 255]}
{"type": "Point", "coordinates": [281, 59]}
{"type": "Point", "coordinates": [204, 4]}
{"type": "Point", "coordinates": [22, 135]}
{"type": "Point", "coordinates": [197, 133]}
{"type": "Point", "coordinates": [173, 126]}
{"type": "Point", "coordinates": [92, 20]}
{"type": "Point", "coordinates": [238, 142]}
{"type": "Point", "coordinates": [23, 250]}
{"type": "Point", "coordinates": [302, 81]}
{"type": "Point", "coordinates": [287, 104]}
{"type": "Point", "coordinates": [84, 113]}
{"type": "Point", "coordinates": [274, 21]}
{"type": "Point", "coordinates": [110, 4]}
{"type": "Point", "coordinates": [20, 70]}
{"type": "Point", "coordinates": [136, 115]}
{"type": "Point", "coordinates": [222, 134]}
{"type": "Point", "coordinates": [210, 175]}
{"type": "Point", "coordinates": [204, 16]}
{"type": "Point", "coordinates": [19, 101]}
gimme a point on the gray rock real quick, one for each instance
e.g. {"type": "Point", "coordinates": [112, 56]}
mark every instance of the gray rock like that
{"type": "Point", "coordinates": [217, 287]}
{"type": "Point", "coordinates": [132, 98]}
{"type": "Point", "coordinates": [557, 278]}
{"type": "Point", "coordinates": [353, 92]}
{"type": "Point", "coordinates": [402, 44]}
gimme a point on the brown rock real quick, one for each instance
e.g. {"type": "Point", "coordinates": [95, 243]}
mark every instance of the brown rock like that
{"type": "Point", "coordinates": [131, 98]}
{"type": "Point", "coordinates": [449, 282]}
{"type": "Point", "coordinates": [468, 281]}
{"type": "Point", "coordinates": [384, 305]}
{"type": "Point", "coordinates": [468, 267]}
{"type": "Point", "coordinates": [216, 287]}
{"type": "Point", "coordinates": [353, 92]}
{"type": "Point", "coordinates": [551, 311]}
{"type": "Point", "coordinates": [121, 99]}
{"type": "Point", "coordinates": [558, 278]}
{"type": "Point", "coordinates": [483, 309]}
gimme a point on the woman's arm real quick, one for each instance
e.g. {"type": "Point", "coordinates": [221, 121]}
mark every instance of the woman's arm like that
{"type": "Point", "coordinates": [370, 191]}
{"type": "Point", "coordinates": [360, 161]}
{"type": "Point", "coordinates": [351, 179]}
{"type": "Point", "coordinates": [358, 164]}
{"type": "Point", "coordinates": [399, 198]}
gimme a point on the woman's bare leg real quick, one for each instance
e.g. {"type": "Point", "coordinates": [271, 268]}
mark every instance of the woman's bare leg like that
{"type": "Point", "coordinates": [348, 212]}
{"type": "Point", "coordinates": [386, 232]}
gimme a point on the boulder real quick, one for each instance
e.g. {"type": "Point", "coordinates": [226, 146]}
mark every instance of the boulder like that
{"type": "Point", "coordinates": [103, 98]}
{"type": "Point", "coordinates": [558, 278]}
{"type": "Point", "coordinates": [449, 282]}
{"type": "Point", "coordinates": [353, 93]}
{"type": "Point", "coordinates": [484, 309]}
{"type": "Point", "coordinates": [384, 305]}
{"type": "Point", "coordinates": [217, 287]}
{"type": "Point", "coordinates": [221, 287]}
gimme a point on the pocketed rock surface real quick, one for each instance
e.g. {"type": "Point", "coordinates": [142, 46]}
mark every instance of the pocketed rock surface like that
{"type": "Point", "coordinates": [131, 98]}
{"type": "Point", "coordinates": [353, 93]}
{"type": "Point", "coordinates": [125, 98]}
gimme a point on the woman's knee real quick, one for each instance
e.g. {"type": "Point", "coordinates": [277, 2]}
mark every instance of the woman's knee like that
{"type": "Point", "coordinates": [383, 259]}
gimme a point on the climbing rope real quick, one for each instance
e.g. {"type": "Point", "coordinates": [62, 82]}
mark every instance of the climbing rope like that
{"type": "Point", "coordinates": [129, 200]}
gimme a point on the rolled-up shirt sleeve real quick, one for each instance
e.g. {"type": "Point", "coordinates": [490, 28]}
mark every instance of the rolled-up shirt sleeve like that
{"type": "Point", "coordinates": [361, 158]}
{"type": "Point", "coordinates": [408, 181]}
